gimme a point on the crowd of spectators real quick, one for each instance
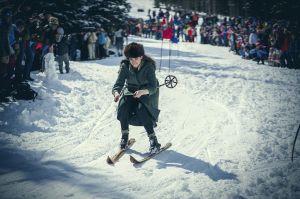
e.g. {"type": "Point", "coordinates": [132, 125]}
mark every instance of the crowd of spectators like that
{"type": "Point", "coordinates": [25, 41]}
{"type": "Point", "coordinates": [273, 41]}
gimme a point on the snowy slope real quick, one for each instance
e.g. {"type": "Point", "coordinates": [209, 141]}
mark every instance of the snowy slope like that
{"type": "Point", "coordinates": [144, 6]}
{"type": "Point", "coordinates": [140, 5]}
{"type": "Point", "coordinates": [231, 122]}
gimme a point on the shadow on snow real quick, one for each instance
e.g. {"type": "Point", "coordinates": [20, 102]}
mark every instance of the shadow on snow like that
{"type": "Point", "coordinates": [172, 158]}
{"type": "Point", "coordinates": [23, 166]}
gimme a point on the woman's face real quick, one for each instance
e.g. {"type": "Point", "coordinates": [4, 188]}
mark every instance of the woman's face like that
{"type": "Point", "coordinates": [135, 62]}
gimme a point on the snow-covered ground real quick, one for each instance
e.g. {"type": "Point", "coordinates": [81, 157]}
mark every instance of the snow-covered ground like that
{"type": "Point", "coordinates": [232, 123]}
{"type": "Point", "coordinates": [144, 5]}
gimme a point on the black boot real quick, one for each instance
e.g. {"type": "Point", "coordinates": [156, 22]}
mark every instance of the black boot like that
{"type": "Point", "coordinates": [154, 145]}
{"type": "Point", "coordinates": [124, 140]}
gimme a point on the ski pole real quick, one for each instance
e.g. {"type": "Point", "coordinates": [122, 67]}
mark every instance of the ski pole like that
{"type": "Point", "coordinates": [170, 82]}
{"type": "Point", "coordinates": [295, 143]}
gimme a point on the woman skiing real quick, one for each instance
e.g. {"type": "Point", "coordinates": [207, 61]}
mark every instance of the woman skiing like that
{"type": "Point", "coordinates": [136, 89]}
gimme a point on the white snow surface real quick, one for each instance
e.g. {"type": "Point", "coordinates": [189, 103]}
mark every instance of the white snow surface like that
{"type": "Point", "coordinates": [232, 124]}
{"type": "Point", "coordinates": [143, 5]}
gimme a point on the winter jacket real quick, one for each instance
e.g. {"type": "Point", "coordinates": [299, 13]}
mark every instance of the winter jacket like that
{"type": "Point", "coordinates": [102, 38]}
{"type": "Point", "coordinates": [119, 36]}
{"type": "Point", "coordinates": [48, 36]}
{"type": "Point", "coordinates": [135, 80]}
{"type": "Point", "coordinates": [11, 36]}
{"type": "Point", "coordinates": [62, 46]}
{"type": "Point", "coordinates": [285, 44]}
{"type": "Point", "coordinates": [22, 38]}
{"type": "Point", "coordinates": [4, 41]}
{"type": "Point", "coordinates": [92, 38]}
{"type": "Point", "coordinates": [253, 38]}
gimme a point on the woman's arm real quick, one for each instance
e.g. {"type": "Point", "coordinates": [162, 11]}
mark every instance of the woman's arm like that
{"type": "Point", "coordinates": [119, 84]}
{"type": "Point", "coordinates": [151, 88]}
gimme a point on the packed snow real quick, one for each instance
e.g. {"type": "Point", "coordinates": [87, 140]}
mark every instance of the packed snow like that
{"type": "Point", "coordinates": [232, 124]}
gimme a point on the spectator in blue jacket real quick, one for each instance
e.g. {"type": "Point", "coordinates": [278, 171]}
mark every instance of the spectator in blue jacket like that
{"type": "Point", "coordinates": [102, 39]}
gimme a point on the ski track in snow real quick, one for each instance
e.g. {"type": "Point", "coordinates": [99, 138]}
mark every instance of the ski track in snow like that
{"type": "Point", "coordinates": [231, 123]}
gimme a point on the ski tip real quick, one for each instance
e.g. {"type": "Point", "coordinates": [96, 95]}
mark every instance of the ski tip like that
{"type": "Point", "coordinates": [133, 160]}
{"type": "Point", "coordinates": [109, 161]}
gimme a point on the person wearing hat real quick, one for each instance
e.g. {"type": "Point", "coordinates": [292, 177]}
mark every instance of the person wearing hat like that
{"type": "Point", "coordinates": [22, 41]}
{"type": "Point", "coordinates": [49, 37]}
{"type": "Point", "coordinates": [136, 89]}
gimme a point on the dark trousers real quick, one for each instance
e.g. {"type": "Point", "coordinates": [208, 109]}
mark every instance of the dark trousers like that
{"type": "Point", "coordinates": [63, 59]}
{"type": "Point", "coordinates": [134, 106]}
{"type": "Point", "coordinates": [102, 51]}
{"type": "Point", "coordinates": [285, 60]}
{"type": "Point", "coordinates": [20, 62]}
{"type": "Point", "coordinates": [30, 54]}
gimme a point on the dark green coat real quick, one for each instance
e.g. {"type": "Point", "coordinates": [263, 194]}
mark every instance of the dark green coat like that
{"type": "Point", "coordinates": [131, 80]}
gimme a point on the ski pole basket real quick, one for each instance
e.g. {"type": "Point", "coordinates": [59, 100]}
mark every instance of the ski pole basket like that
{"type": "Point", "coordinates": [170, 81]}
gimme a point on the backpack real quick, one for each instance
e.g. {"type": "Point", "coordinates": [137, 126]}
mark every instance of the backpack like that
{"type": "Point", "coordinates": [23, 91]}
{"type": "Point", "coordinates": [6, 88]}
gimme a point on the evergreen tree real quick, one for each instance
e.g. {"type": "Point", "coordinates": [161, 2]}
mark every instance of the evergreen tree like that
{"type": "Point", "coordinates": [74, 15]}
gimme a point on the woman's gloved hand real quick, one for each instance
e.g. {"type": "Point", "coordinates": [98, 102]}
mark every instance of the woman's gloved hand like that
{"type": "Point", "coordinates": [116, 96]}
{"type": "Point", "coordinates": [139, 93]}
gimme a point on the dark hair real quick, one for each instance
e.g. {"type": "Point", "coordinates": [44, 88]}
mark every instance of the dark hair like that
{"type": "Point", "coordinates": [134, 50]}
{"type": "Point", "coordinates": [20, 22]}
{"type": "Point", "coordinates": [149, 60]}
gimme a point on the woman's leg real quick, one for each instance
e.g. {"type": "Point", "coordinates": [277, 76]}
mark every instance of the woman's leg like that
{"type": "Point", "coordinates": [145, 118]}
{"type": "Point", "coordinates": [148, 124]}
{"type": "Point", "coordinates": [125, 111]}
{"type": "Point", "coordinates": [123, 116]}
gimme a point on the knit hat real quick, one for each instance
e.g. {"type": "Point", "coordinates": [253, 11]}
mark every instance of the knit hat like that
{"type": "Point", "coordinates": [53, 21]}
{"type": "Point", "coordinates": [134, 50]}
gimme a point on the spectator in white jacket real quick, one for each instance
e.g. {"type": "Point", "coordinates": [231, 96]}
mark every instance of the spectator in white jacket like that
{"type": "Point", "coordinates": [253, 39]}
{"type": "Point", "coordinates": [119, 41]}
{"type": "Point", "coordinates": [91, 38]}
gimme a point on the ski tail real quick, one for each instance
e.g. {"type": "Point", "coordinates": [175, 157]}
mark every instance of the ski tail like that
{"type": "Point", "coordinates": [149, 156]}
{"type": "Point", "coordinates": [112, 160]}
